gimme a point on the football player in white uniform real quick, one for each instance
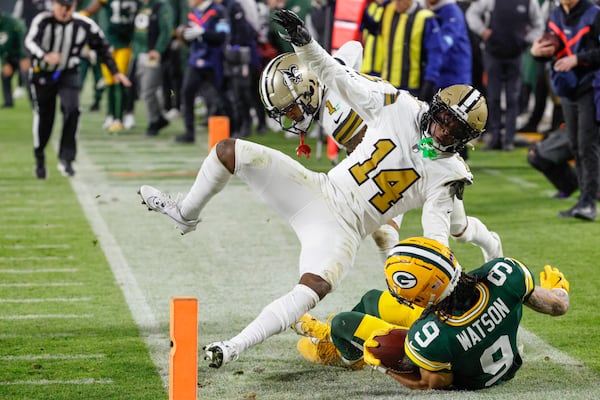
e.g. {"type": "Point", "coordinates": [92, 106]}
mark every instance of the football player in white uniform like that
{"type": "Point", "coordinates": [281, 89]}
{"type": "Point", "coordinates": [406, 160]}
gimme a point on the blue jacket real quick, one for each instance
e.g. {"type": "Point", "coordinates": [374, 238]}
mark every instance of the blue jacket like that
{"type": "Point", "coordinates": [579, 32]}
{"type": "Point", "coordinates": [456, 47]}
{"type": "Point", "coordinates": [207, 50]}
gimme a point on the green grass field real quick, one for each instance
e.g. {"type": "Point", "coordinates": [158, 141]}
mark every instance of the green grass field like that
{"type": "Point", "coordinates": [86, 273]}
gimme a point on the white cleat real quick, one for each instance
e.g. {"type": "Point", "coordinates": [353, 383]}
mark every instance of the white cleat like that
{"type": "Point", "coordinates": [128, 121]}
{"type": "Point", "coordinates": [496, 252]}
{"type": "Point", "coordinates": [219, 353]}
{"type": "Point", "coordinates": [161, 202]}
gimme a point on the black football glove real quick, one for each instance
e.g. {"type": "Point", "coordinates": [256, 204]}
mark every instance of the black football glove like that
{"type": "Point", "coordinates": [294, 26]}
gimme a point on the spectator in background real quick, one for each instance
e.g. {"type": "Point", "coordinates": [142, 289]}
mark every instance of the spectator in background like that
{"type": "Point", "coordinates": [90, 61]}
{"type": "Point", "coordinates": [55, 41]}
{"type": "Point", "coordinates": [12, 54]}
{"type": "Point", "coordinates": [206, 31]}
{"type": "Point", "coordinates": [411, 40]}
{"type": "Point", "coordinates": [456, 47]}
{"type": "Point", "coordinates": [506, 28]}
{"type": "Point", "coordinates": [573, 74]}
{"type": "Point", "coordinates": [370, 28]}
{"type": "Point", "coordinates": [26, 10]}
{"type": "Point", "coordinates": [302, 8]}
{"type": "Point", "coordinates": [151, 38]}
{"type": "Point", "coordinates": [173, 63]}
{"type": "Point", "coordinates": [119, 32]}
{"type": "Point", "coordinates": [242, 67]}
{"type": "Point", "coordinates": [551, 157]}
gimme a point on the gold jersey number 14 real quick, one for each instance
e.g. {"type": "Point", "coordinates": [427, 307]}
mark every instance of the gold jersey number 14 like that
{"type": "Point", "coordinates": [391, 182]}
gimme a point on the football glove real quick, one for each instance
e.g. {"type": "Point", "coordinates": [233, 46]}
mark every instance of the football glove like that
{"type": "Point", "coordinates": [552, 278]}
{"type": "Point", "coordinates": [294, 26]}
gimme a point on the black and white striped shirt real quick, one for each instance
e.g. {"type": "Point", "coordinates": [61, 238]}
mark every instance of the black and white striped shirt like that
{"type": "Point", "coordinates": [47, 35]}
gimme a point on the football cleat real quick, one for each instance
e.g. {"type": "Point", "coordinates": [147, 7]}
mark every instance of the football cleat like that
{"type": "Point", "coordinates": [161, 202]}
{"type": "Point", "coordinates": [309, 326]}
{"type": "Point", "coordinates": [324, 352]}
{"type": "Point", "coordinates": [128, 121]}
{"type": "Point", "coordinates": [496, 252]}
{"type": "Point", "coordinates": [219, 353]}
{"type": "Point", "coordinates": [66, 168]}
{"type": "Point", "coordinates": [115, 127]}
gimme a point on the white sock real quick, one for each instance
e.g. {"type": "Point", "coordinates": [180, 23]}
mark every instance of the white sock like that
{"type": "Point", "coordinates": [277, 316]}
{"type": "Point", "coordinates": [211, 179]}
{"type": "Point", "coordinates": [478, 234]}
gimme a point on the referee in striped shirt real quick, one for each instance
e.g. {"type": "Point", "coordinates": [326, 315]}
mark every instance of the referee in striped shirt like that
{"type": "Point", "coordinates": [55, 41]}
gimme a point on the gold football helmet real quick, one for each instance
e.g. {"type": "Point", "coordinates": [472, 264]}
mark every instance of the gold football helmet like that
{"type": "Point", "coordinates": [290, 92]}
{"type": "Point", "coordinates": [469, 108]}
{"type": "Point", "coordinates": [421, 271]}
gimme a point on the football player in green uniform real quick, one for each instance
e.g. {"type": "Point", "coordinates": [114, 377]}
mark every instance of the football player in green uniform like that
{"type": "Point", "coordinates": [462, 327]}
{"type": "Point", "coordinates": [119, 33]}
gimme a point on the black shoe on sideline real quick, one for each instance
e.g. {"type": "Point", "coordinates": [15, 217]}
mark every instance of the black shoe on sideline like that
{"type": "Point", "coordinates": [40, 171]}
{"type": "Point", "coordinates": [184, 138]}
{"type": "Point", "coordinates": [586, 212]}
{"type": "Point", "coordinates": [66, 168]}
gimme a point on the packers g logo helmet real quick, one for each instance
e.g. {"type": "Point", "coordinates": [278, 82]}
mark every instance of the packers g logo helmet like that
{"type": "Point", "coordinates": [290, 92]}
{"type": "Point", "coordinates": [421, 271]}
{"type": "Point", "coordinates": [467, 105]}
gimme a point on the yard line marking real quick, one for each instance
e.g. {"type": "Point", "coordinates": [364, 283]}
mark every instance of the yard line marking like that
{"type": "Point", "coordinates": [521, 182]}
{"type": "Point", "coordinates": [88, 381]}
{"type": "Point", "coordinates": [45, 316]}
{"type": "Point", "coordinates": [48, 284]}
{"type": "Point", "coordinates": [49, 300]}
{"type": "Point", "coordinates": [37, 271]}
{"type": "Point", "coordinates": [40, 335]}
{"type": "Point", "coordinates": [37, 258]}
{"type": "Point", "coordinates": [35, 246]}
{"type": "Point", "coordinates": [35, 357]}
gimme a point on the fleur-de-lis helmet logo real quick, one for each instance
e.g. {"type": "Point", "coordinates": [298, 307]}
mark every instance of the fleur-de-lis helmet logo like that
{"type": "Point", "coordinates": [292, 74]}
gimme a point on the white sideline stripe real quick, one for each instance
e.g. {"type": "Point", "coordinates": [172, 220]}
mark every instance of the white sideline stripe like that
{"type": "Point", "coordinates": [45, 316]}
{"type": "Point", "coordinates": [49, 300]}
{"type": "Point", "coordinates": [140, 310]}
{"type": "Point", "coordinates": [35, 246]}
{"type": "Point", "coordinates": [88, 381]}
{"type": "Point", "coordinates": [34, 357]}
{"type": "Point", "coordinates": [42, 284]}
{"type": "Point", "coordinates": [37, 271]}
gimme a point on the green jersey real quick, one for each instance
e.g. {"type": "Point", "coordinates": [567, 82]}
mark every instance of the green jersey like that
{"type": "Point", "coordinates": [120, 15]}
{"type": "Point", "coordinates": [12, 32]}
{"type": "Point", "coordinates": [478, 346]}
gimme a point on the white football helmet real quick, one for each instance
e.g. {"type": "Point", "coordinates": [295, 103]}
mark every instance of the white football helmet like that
{"type": "Point", "coordinates": [469, 110]}
{"type": "Point", "coordinates": [290, 92]}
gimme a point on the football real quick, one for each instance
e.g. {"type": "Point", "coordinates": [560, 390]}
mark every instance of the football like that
{"type": "Point", "coordinates": [552, 39]}
{"type": "Point", "coordinates": [390, 351]}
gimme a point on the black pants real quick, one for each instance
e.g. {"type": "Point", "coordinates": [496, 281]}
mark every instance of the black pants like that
{"type": "Point", "coordinates": [45, 88]}
{"type": "Point", "coordinates": [584, 137]}
{"type": "Point", "coordinates": [200, 81]}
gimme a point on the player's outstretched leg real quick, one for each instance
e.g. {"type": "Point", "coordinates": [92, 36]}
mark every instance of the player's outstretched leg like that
{"type": "Point", "coordinates": [163, 203]}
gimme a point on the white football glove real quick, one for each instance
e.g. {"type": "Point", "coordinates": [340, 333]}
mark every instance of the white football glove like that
{"type": "Point", "coordinates": [193, 32]}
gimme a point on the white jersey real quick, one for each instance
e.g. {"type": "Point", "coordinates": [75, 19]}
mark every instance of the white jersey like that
{"type": "Point", "coordinates": [384, 177]}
